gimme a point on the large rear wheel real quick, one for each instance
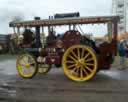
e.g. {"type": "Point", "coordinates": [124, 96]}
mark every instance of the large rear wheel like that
{"type": "Point", "coordinates": [26, 66]}
{"type": "Point", "coordinates": [79, 63]}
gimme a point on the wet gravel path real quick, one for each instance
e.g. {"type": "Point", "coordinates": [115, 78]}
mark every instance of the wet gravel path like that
{"type": "Point", "coordinates": [106, 86]}
{"type": "Point", "coordinates": [7, 78]}
{"type": "Point", "coordinates": [56, 87]}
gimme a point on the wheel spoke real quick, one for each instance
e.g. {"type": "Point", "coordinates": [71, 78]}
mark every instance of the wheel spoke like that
{"type": "Point", "coordinates": [70, 62]}
{"type": "Point", "coordinates": [22, 64]}
{"type": "Point", "coordinates": [32, 68]}
{"type": "Point", "coordinates": [82, 53]}
{"type": "Point", "coordinates": [84, 70]}
{"type": "Point", "coordinates": [25, 71]}
{"type": "Point", "coordinates": [33, 62]}
{"type": "Point", "coordinates": [24, 61]}
{"type": "Point", "coordinates": [74, 54]}
{"type": "Point", "coordinates": [78, 53]}
{"type": "Point", "coordinates": [26, 58]}
{"type": "Point", "coordinates": [70, 66]}
{"type": "Point", "coordinates": [90, 59]}
{"type": "Point", "coordinates": [30, 59]}
{"type": "Point", "coordinates": [90, 64]}
{"type": "Point", "coordinates": [81, 72]}
{"type": "Point", "coordinates": [72, 58]}
{"type": "Point", "coordinates": [88, 68]}
{"type": "Point", "coordinates": [75, 68]}
{"type": "Point", "coordinates": [86, 55]}
{"type": "Point", "coordinates": [30, 71]}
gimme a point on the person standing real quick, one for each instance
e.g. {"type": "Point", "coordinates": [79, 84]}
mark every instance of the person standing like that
{"type": "Point", "coordinates": [126, 53]}
{"type": "Point", "coordinates": [121, 51]}
{"type": "Point", "coordinates": [126, 48]}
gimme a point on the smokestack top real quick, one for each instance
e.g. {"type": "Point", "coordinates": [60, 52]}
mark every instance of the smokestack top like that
{"type": "Point", "coordinates": [67, 15]}
{"type": "Point", "coordinates": [36, 18]}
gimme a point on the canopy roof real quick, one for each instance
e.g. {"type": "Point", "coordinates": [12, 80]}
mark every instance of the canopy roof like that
{"type": "Point", "coordinates": [65, 21]}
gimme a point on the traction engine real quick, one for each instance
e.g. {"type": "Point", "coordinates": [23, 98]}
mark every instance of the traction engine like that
{"type": "Point", "coordinates": [79, 56]}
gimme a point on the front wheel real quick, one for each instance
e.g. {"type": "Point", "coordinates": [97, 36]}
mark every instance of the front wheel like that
{"type": "Point", "coordinates": [26, 66]}
{"type": "Point", "coordinates": [79, 63]}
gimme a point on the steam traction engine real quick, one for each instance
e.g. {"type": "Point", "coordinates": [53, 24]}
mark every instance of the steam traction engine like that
{"type": "Point", "coordinates": [78, 55]}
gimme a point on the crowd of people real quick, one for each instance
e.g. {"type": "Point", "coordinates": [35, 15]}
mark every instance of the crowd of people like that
{"type": "Point", "coordinates": [123, 53]}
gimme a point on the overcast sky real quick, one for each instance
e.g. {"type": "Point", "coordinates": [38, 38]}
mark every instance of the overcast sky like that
{"type": "Point", "coordinates": [27, 9]}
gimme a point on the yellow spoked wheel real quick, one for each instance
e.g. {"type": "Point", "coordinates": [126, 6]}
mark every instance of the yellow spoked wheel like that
{"type": "Point", "coordinates": [79, 63]}
{"type": "Point", "coordinates": [43, 68]}
{"type": "Point", "coordinates": [26, 66]}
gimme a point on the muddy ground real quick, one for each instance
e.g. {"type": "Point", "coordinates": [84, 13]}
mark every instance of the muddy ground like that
{"type": "Point", "coordinates": [106, 86]}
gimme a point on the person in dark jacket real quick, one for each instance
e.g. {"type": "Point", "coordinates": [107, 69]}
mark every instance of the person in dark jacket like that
{"type": "Point", "coordinates": [121, 50]}
{"type": "Point", "coordinates": [126, 52]}
{"type": "Point", "coordinates": [126, 48]}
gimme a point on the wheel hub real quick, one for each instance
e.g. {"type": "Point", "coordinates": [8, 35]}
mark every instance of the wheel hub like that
{"type": "Point", "coordinates": [27, 65]}
{"type": "Point", "coordinates": [80, 62]}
